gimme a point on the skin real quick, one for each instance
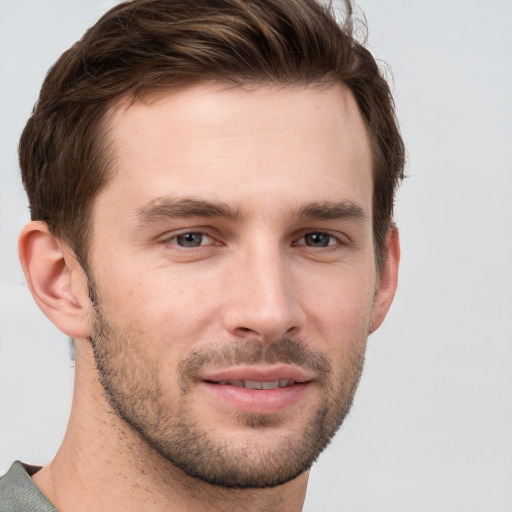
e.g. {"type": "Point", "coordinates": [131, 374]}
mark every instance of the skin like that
{"type": "Point", "coordinates": [180, 297]}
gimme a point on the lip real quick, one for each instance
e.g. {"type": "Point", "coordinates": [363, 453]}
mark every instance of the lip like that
{"type": "Point", "coordinates": [261, 373]}
{"type": "Point", "coordinates": [257, 401]}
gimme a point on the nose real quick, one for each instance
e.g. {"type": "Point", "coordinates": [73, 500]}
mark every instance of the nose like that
{"type": "Point", "coordinates": [263, 298]}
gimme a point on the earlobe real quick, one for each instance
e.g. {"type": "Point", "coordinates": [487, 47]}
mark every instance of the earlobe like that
{"type": "Point", "coordinates": [387, 280]}
{"type": "Point", "coordinates": [55, 279]}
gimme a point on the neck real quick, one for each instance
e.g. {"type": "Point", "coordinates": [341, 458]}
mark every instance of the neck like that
{"type": "Point", "coordinates": [103, 464]}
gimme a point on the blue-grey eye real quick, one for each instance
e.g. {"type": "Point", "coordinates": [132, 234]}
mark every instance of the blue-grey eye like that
{"type": "Point", "coordinates": [190, 239]}
{"type": "Point", "coordinates": [318, 240]}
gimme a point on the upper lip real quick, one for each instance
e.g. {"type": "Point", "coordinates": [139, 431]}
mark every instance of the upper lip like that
{"type": "Point", "coordinates": [258, 374]}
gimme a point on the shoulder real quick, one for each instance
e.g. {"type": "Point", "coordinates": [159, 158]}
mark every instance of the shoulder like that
{"type": "Point", "coordinates": [18, 493]}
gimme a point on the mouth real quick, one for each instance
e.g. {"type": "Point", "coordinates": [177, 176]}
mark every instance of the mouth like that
{"type": "Point", "coordinates": [254, 390]}
{"type": "Point", "coordinates": [255, 384]}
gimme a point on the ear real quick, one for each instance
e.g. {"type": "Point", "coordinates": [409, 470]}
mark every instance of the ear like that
{"type": "Point", "coordinates": [387, 280]}
{"type": "Point", "coordinates": [56, 279]}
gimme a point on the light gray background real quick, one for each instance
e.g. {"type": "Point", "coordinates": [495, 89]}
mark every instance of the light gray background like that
{"type": "Point", "coordinates": [431, 428]}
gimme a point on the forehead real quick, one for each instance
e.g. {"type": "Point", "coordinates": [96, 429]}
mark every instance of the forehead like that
{"type": "Point", "coordinates": [213, 141]}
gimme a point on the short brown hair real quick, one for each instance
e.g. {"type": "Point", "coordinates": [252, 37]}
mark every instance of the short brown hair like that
{"type": "Point", "coordinates": [142, 45]}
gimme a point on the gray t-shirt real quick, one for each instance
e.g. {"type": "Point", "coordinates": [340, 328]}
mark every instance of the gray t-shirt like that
{"type": "Point", "coordinates": [18, 493]}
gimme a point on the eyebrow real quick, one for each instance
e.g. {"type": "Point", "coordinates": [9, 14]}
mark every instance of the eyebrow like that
{"type": "Point", "coordinates": [333, 211]}
{"type": "Point", "coordinates": [165, 207]}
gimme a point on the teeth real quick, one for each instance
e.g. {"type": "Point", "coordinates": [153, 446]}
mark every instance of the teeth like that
{"type": "Point", "coordinates": [255, 384]}
{"type": "Point", "coordinates": [270, 385]}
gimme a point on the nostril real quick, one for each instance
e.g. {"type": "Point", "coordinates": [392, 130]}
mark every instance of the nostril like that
{"type": "Point", "coordinates": [262, 319]}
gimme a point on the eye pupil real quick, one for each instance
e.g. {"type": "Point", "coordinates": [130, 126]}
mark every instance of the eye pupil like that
{"type": "Point", "coordinates": [317, 239]}
{"type": "Point", "coordinates": [190, 239]}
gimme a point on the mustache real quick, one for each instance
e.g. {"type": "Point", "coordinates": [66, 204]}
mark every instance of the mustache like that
{"type": "Point", "coordinates": [284, 351]}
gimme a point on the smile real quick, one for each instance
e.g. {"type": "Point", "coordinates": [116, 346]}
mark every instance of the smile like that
{"type": "Point", "coordinates": [254, 384]}
{"type": "Point", "coordinates": [257, 390]}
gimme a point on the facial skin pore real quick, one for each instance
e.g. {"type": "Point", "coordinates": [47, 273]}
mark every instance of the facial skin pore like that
{"type": "Point", "coordinates": [232, 250]}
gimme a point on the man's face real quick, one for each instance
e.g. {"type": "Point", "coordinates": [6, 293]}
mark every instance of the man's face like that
{"type": "Point", "coordinates": [234, 276]}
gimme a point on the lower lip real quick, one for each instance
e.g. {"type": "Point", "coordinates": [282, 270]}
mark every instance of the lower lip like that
{"type": "Point", "coordinates": [257, 401]}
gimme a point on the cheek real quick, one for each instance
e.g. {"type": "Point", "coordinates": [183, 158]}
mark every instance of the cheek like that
{"type": "Point", "coordinates": [166, 311]}
{"type": "Point", "coordinates": [339, 310]}
{"type": "Point", "coordinates": [341, 287]}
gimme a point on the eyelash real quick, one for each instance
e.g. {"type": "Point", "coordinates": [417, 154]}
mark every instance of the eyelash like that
{"type": "Point", "coordinates": [334, 242]}
{"type": "Point", "coordinates": [173, 239]}
{"type": "Point", "coordinates": [330, 246]}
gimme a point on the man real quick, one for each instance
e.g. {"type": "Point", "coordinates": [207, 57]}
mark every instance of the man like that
{"type": "Point", "coordinates": [211, 188]}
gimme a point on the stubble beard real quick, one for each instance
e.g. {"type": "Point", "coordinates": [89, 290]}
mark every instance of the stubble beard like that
{"type": "Point", "coordinates": [132, 389]}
